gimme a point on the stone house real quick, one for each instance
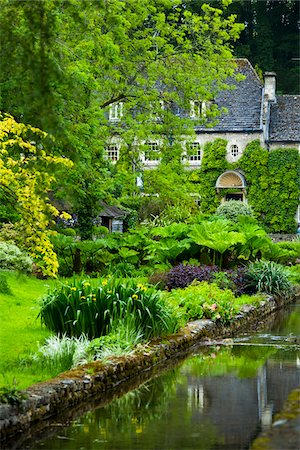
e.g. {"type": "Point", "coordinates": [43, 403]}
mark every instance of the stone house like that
{"type": "Point", "coordinates": [254, 112]}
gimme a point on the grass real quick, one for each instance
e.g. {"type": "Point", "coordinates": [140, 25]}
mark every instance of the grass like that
{"type": "Point", "coordinates": [20, 331]}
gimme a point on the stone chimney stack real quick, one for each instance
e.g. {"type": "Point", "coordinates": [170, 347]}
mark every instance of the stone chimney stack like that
{"type": "Point", "coordinates": [270, 86]}
{"type": "Point", "coordinates": [268, 97]}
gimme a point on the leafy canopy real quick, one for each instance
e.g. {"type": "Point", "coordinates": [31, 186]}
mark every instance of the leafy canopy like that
{"type": "Point", "coordinates": [26, 174]}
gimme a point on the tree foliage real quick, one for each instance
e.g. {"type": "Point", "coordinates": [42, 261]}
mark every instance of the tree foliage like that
{"type": "Point", "coordinates": [64, 64]}
{"type": "Point", "coordinates": [26, 174]}
{"type": "Point", "coordinates": [270, 39]}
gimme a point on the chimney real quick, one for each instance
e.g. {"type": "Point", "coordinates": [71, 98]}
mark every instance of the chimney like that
{"type": "Point", "coordinates": [270, 86]}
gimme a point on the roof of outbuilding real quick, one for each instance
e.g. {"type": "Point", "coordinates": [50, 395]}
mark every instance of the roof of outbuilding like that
{"type": "Point", "coordinates": [285, 119]}
{"type": "Point", "coordinates": [243, 103]}
{"type": "Point", "coordinates": [113, 212]}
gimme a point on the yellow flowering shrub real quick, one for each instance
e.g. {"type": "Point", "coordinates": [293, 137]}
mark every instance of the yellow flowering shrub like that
{"type": "Point", "coordinates": [25, 174]}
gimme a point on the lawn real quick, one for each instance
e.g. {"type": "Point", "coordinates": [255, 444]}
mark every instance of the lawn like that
{"type": "Point", "coordinates": [20, 330]}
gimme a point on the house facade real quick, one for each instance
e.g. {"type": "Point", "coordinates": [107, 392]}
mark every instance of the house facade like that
{"type": "Point", "coordinates": [253, 111]}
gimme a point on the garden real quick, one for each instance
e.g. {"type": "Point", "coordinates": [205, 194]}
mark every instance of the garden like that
{"type": "Point", "coordinates": [133, 287]}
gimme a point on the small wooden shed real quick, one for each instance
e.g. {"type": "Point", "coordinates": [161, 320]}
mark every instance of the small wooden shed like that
{"type": "Point", "coordinates": [112, 218]}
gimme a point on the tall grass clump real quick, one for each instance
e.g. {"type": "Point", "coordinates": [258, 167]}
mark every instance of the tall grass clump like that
{"type": "Point", "coordinates": [80, 308]}
{"type": "Point", "coordinates": [268, 277]}
{"type": "Point", "coordinates": [61, 353]}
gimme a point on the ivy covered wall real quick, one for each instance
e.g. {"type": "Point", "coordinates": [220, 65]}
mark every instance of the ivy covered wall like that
{"type": "Point", "coordinates": [273, 182]}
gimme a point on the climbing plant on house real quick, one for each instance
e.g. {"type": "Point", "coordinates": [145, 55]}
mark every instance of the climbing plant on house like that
{"type": "Point", "coordinates": [272, 177]}
{"type": "Point", "coordinates": [273, 180]}
{"type": "Point", "coordinates": [213, 165]}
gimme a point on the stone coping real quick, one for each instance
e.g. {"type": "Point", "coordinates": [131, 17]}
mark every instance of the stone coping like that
{"type": "Point", "coordinates": [77, 390]}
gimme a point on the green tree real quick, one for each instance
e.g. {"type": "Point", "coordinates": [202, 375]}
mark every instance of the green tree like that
{"type": "Point", "coordinates": [64, 64]}
{"type": "Point", "coordinates": [26, 174]}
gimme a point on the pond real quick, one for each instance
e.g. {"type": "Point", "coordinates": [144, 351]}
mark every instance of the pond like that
{"type": "Point", "coordinates": [218, 398]}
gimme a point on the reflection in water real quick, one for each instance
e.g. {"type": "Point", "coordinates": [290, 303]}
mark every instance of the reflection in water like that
{"type": "Point", "coordinates": [217, 399]}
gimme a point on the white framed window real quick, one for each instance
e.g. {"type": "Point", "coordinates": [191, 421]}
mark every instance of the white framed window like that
{"type": "Point", "coordinates": [112, 152]}
{"type": "Point", "coordinates": [151, 151]}
{"type": "Point", "coordinates": [155, 112]}
{"type": "Point", "coordinates": [196, 197]}
{"type": "Point", "coordinates": [115, 112]}
{"type": "Point", "coordinates": [196, 109]}
{"type": "Point", "coordinates": [234, 151]}
{"type": "Point", "coordinates": [194, 151]}
{"type": "Point", "coordinates": [298, 214]}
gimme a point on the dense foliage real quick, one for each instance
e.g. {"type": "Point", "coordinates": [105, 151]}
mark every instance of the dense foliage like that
{"type": "Point", "coordinates": [81, 308]}
{"type": "Point", "coordinates": [232, 210]}
{"type": "Point", "coordinates": [12, 258]}
{"type": "Point", "coordinates": [270, 38]}
{"type": "Point", "coordinates": [269, 277]}
{"type": "Point", "coordinates": [273, 182]}
{"type": "Point", "coordinates": [64, 65]}
{"type": "Point", "coordinates": [27, 173]}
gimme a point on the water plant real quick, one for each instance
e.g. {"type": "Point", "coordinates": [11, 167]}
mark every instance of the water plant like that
{"type": "Point", "coordinates": [82, 308]}
{"type": "Point", "coordinates": [268, 277]}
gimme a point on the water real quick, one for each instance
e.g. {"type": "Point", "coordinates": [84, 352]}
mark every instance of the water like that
{"type": "Point", "coordinates": [219, 398]}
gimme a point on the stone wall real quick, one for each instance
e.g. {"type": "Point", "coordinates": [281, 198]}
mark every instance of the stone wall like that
{"type": "Point", "coordinates": [45, 401]}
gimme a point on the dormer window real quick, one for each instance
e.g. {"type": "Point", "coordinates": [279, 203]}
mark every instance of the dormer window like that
{"type": "Point", "coordinates": [234, 151]}
{"type": "Point", "coordinates": [195, 109]}
{"type": "Point", "coordinates": [112, 152]}
{"type": "Point", "coordinates": [155, 113]}
{"type": "Point", "coordinates": [194, 151]}
{"type": "Point", "coordinates": [152, 151]}
{"type": "Point", "coordinates": [115, 112]}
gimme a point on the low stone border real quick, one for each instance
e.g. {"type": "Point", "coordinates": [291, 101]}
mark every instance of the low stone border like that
{"type": "Point", "coordinates": [49, 399]}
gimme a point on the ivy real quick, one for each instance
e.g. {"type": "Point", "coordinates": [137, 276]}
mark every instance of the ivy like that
{"type": "Point", "coordinates": [273, 180]}
{"type": "Point", "coordinates": [213, 165]}
{"type": "Point", "coordinates": [272, 177]}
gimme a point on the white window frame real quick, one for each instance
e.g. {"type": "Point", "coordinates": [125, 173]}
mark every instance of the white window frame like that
{"type": "Point", "coordinates": [195, 109]}
{"type": "Point", "coordinates": [115, 112]}
{"type": "Point", "coordinates": [153, 148]}
{"type": "Point", "coordinates": [234, 150]}
{"type": "Point", "coordinates": [155, 115]}
{"type": "Point", "coordinates": [112, 153]}
{"type": "Point", "coordinates": [195, 156]}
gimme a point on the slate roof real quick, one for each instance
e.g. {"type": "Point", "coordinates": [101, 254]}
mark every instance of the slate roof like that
{"type": "Point", "coordinates": [285, 119]}
{"type": "Point", "coordinates": [244, 103]}
{"type": "Point", "coordinates": [112, 212]}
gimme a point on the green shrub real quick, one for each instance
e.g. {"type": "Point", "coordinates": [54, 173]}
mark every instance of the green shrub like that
{"type": "Point", "coordinates": [80, 308]}
{"type": "Point", "coordinates": [4, 286]}
{"type": "Point", "coordinates": [11, 395]}
{"type": "Point", "coordinates": [268, 277]}
{"type": "Point", "coordinates": [294, 274]}
{"type": "Point", "coordinates": [121, 340]}
{"type": "Point", "coordinates": [12, 258]}
{"type": "Point", "coordinates": [232, 209]}
{"type": "Point", "coordinates": [283, 252]}
{"type": "Point", "coordinates": [204, 300]}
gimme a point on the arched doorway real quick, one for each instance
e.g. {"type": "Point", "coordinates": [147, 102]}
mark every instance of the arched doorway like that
{"type": "Point", "coordinates": [233, 184]}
